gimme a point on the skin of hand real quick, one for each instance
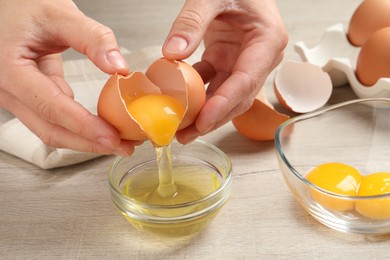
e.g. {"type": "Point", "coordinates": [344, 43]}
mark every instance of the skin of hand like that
{"type": "Point", "coordinates": [32, 86]}
{"type": "Point", "coordinates": [244, 41]}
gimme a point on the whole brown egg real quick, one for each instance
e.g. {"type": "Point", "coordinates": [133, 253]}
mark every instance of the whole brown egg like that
{"type": "Point", "coordinates": [370, 16]}
{"type": "Point", "coordinates": [373, 60]}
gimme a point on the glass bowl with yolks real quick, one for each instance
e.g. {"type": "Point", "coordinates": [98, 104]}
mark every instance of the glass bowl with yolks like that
{"type": "Point", "coordinates": [200, 179]}
{"type": "Point", "coordinates": [336, 163]}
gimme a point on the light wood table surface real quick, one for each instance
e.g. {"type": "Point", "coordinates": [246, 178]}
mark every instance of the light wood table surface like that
{"type": "Point", "coordinates": [67, 213]}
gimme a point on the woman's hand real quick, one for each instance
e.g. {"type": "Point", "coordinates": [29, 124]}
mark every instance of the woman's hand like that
{"type": "Point", "coordinates": [244, 41]}
{"type": "Point", "coordinates": [32, 87]}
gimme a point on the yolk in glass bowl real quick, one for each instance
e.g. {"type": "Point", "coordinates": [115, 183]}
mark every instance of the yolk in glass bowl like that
{"type": "Point", "coordinates": [337, 178]}
{"type": "Point", "coordinates": [374, 184]}
{"type": "Point", "coordinates": [159, 116]}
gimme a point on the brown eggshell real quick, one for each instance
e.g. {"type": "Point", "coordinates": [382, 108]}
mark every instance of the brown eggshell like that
{"type": "Point", "coordinates": [174, 78]}
{"type": "Point", "coordinates": [111, 105]}
{"type": "Point", "coordinates": [171, 76]}
{"type": "Point", "coordinates": [373, 60]}
{"type": "Point", "coordinates": [260, 121]}
{"type": "Point", "coordinates": [370, 16]}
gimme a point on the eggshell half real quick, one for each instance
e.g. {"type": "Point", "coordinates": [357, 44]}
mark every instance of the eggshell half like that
{"type": "Point", "coordinates": [260, 121]}
{"type": "Point", "coordinates": [112, 107]}
{"type": "Point", "coordinates": [302, 87]}
{"type": "Point", "coordinates": [171, 76]}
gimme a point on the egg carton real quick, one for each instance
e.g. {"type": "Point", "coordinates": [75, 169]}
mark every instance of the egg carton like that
{"type": "Point", "coordinates": [336, 56]}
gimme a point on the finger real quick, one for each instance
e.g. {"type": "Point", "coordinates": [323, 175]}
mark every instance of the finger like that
{"type": "Point", "coordinates": [248, 61]}
{"type": "Point", "coordinates": [189, 27]}
{"type": "Point", "coordinates": [51, 66]}
{"type": "Point", "coordinates": [227, 100]}
{"type": "Point", "coordinates": [236, 89]}
{"type": "Point", "coordinates": [188, 134]}
{"type": "Point", "coordinates": [233, 95]}
{"type": "Point", "coordinates": [45, 98]}
{"type": "Point", "coordinates": [205, 70]}
{"type": "Point", "coordinates": [91, 38]}
{"type": "Point", "coordinates": [57, 136]}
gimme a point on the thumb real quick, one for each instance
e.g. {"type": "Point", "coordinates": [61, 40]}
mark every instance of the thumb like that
{"type": "Point", "coordinates": [189, 27]}
{"type": "Point", "coordinates": [93, 39]}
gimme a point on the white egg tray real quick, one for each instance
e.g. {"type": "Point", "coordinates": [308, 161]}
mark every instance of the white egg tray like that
{"type": "Point", "coordinates": [336, 56]}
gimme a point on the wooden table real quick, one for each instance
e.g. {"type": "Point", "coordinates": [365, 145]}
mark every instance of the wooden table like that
{"type": "Point", "coordinates": [67, 213]}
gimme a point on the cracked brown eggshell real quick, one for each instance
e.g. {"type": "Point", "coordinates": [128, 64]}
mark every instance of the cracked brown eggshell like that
{"type": "Point", "coordinates": [174, 78]}
{"type": "Point", "coordinates": [260, 121]}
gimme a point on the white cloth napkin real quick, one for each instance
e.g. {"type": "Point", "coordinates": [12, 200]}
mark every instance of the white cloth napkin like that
{"type": "Point", "coordinates": [86, 81]}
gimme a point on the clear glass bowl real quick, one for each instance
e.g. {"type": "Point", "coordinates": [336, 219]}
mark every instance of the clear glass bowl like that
{"type": "Point", "coordinates": [356, 133]}
{"type": "Point", "coordinates": [195, 166]}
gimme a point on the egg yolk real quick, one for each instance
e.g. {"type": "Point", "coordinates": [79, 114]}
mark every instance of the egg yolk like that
{"type": "Point", "coordinates": [338, 178]}
{"type": "Point", "coordinates": [374, 184]}
{"type": "Point", "coordinates": [158, 115]}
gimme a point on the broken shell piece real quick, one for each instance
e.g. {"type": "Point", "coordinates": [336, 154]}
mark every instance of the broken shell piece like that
{"type": "Point", "coordinates": [171, 76]}
{"type": "Point", "coordinates": [260, 121]}
{"type": "Point", "coordinates": [302, 87]}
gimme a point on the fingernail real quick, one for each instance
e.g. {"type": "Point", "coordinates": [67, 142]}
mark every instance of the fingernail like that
{"type": "Point", "coordinates": [122, 152]}
{"type": "Point", "coordinates": [190, 140]}
{"type": "Point", "coordinates": [106, 142]}
{"type": "Point", "coordinates": [176, 44]}
{"type": "Point", "coordinates": [138, 143]}
{"type": "Point", "coordinates": [207, 129]}
{"type": "Point", "coordinates": [116, 60]}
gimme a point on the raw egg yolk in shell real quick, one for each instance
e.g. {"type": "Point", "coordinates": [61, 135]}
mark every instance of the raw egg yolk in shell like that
{"type": "Point", "coordinates": [155, 104]}
{"type": "Point", "coordinates": [337, 178]}
{"type": "Point", "coordinates": [374, 184]}
{"type": "Point", "coordinates": [158, 115]}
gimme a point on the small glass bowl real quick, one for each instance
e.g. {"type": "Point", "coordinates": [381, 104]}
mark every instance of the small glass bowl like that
{"type": "Point", "coordinates": [172, 220]}
{"type": "Point", "coordinates": [356, 133]}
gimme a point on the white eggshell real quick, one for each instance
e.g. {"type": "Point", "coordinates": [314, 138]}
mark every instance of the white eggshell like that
{"type": "Point", "coordinates": [337, 56]}
{"type": "Point", "coordinates": [302, 87]}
